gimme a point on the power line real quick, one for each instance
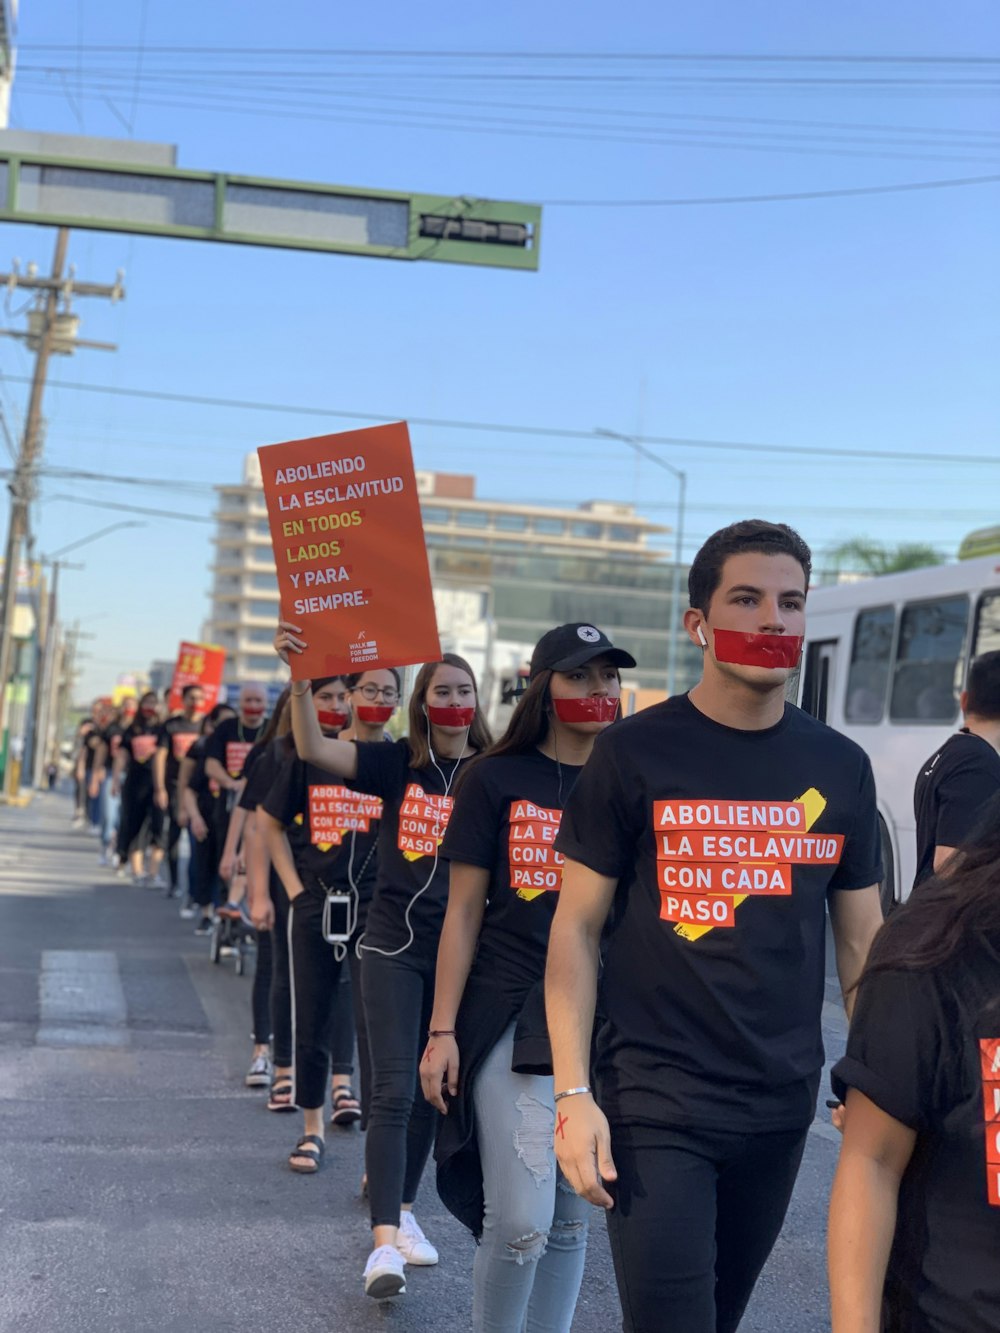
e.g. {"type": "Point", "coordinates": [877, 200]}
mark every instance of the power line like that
{"type": "Point", "coordinates": [702, 200]}
{"type": "Point", "coordinates": [133, 509]}
{"type": "Point", "coordinates": [646, 57]}
{"type": "Point", "coordinates": [503, 428]}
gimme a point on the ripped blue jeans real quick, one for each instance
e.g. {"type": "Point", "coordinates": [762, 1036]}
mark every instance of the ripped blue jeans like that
{"type": "Point", "coordinates": [529, 1266]}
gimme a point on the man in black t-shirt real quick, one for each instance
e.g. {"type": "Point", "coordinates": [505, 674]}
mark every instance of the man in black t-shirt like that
{"type": "Point", "coordinates": [957, 781]}
{"type": "Point", "coordinates": [710, 833]}
{"type": "Point", "coordinates": [176, 737]}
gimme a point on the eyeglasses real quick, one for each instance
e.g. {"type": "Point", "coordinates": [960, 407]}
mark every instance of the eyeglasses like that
{"type": "Point", "coordinates": [389, 693]}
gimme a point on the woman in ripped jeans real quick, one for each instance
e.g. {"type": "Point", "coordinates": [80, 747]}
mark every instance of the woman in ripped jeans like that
{"type": "Point", "coordinates": [487, 1064]}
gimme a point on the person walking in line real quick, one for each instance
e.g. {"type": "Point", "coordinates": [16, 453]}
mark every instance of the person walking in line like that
{"type": "Point", "coordinates": [176, 737]}
{"type": "Point", "coordinates": [305, 824]}
{"type": "Point", "coordinates": [715, 829]}
{"type": "Point", "coordinates": [492, 1080]}
{"type": "Point", "coordinates": [914, 1234]}
{"type": "Point", "coordinates": [955, 783]}
{"type": "Point", "coordinates": [141, 818]}
{"type": "Point", "coordinates": [414, 778]}
{"type": "Point", "coordinates": [119, 721]}
{"type": "Point", "coordinates": [206, 823]}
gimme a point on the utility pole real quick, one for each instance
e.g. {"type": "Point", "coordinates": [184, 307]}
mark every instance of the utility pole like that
{"type": "Point", "coordinates": [51, 330]}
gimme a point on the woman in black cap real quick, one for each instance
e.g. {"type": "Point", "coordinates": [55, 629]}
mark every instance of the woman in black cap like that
{"type": "Point", "coordinates": [496, 1166]}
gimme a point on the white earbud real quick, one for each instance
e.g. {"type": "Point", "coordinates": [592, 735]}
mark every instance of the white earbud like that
{"type": "Point", "coordinates": [701, 637]}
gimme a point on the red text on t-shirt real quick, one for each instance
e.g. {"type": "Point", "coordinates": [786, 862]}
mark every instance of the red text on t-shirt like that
{"type": "Point", "coordinates": [422, 821]}
{"type": "Point", "coordinates": [334, 811]}
{"type": "Point", "coordinates": [535, 865]}
{"type": "Point", "coordinates": [236, 757]}
{"type": "Point", "coordinates": [989, 1055]}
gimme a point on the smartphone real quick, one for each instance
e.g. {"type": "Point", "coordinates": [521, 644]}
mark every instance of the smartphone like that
{"type": "Point", "coordinates": [337, 918]}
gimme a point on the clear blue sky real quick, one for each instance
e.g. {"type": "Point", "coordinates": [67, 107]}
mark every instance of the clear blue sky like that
{"type": "Point", "coordinates": [858, 323]}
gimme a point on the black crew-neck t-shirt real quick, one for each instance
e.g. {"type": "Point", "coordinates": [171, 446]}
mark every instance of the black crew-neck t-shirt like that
{"type": "Point", "coordinates": [725, 845]}
{"type": "Point", "coordinates": [925, 1048]}
{"type": "Point", "coordinates": [416, 806]}
{"type": "Point", "coordinates": [332, 830]}
{"type": "Point", "coordinates": [262, 766]}
{"type": "Point", "coordinates": [230, 743]}
{"type": "Point", "coordinates": [951, 790]}
{"type": "Point", "coordinates": [176, 736]}
{"type": "Point", "coordinates": [112, 738]}
{"type": "Point", "coordinates": [140, 741]}
{"type": "Point", "coordinates": [505, 820]}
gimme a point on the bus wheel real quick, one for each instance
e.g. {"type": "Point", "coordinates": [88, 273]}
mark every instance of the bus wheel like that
{"type": "Point", "coordinates": [887, 888]}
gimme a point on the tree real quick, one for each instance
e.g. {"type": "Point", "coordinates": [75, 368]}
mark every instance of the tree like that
{"type": "Point", "coordinates": [863, 556]}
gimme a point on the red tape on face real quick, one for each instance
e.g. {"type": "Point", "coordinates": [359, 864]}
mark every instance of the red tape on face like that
{"type": "Point", "coordinates": [374, 713]}
{"type": "Point", "coordinates": [593, 709]}
{"type": "Point", "coordinates": [759, 650]}
{"type": "Point", "coordinates": [332, 721]}
{"type": "Point", "coordinates": [450, 717]}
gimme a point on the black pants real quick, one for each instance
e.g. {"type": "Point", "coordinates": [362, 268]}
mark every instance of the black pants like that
{"type": "Point", "coordinates": [696, 1215]}
{"type": "Point", "coordinates": [281, 980]}
{"type": "Point", "coordinates": [207, 888]}
{"type": "Point", "coordinates": [260, 996]}
{"type": "Point", "coordinates": [174, 832]}
{"type": "Point", "coordinates": [398, 999]}
{"type": "Point", "coordinates": [315, 972]}
{"type": "Point", "coordinates": [141, 818]}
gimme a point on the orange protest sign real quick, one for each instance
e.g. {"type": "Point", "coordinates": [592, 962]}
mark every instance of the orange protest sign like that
{"type": "Point", "coordinates": [197, 664]}
{"type": "Point", "coordinates": [349, 549]}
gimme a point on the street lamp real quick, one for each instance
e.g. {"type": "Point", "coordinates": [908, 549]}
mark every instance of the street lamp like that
{"type": "Point", "coordinates": [675, 583]}
{"type": "Point", "coordinates": [41, 707]}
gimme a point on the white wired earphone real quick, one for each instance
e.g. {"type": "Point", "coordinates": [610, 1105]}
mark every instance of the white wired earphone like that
{"type": "Point", "coordinates": [393, 953]}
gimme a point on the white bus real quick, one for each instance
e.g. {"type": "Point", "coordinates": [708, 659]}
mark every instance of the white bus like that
{"type": "Point", "coordinates": [885, 661]}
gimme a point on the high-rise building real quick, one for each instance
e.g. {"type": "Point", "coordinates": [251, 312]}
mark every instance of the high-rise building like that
{"type": "Point", "coordinates": [502, 573]}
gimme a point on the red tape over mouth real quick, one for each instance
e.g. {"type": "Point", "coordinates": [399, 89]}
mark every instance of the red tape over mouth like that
{"type": "Point", "coordinates": [593, 709]}
{"type": "Point", "coordinates": [332, 721]}
{"type": "Point", "coordinates": [450, 717]}
{"type": "Point", "coordinates": [374, 713]}
{"type": "Point", "coordinates": [761, 650]}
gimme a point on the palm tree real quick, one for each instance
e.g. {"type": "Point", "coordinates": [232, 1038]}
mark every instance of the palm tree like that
{"type": "Point", "coordinates": [863, 556]}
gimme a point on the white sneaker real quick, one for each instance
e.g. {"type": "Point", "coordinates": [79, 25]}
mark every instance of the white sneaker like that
{"type": "Point", "coordinates": [260, 1072]}
{"type": "Point", "coordinates": [385, 1275]}
{"type": "Point", "coordinates": [412, 1244]}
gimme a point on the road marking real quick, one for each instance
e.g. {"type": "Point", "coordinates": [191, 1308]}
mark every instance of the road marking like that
{"type": "Point", "coordinates": [81, 1000]}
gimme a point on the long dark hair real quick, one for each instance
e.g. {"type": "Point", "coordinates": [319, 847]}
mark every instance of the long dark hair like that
{"type": "Point", "coordinates": [952, 914]}
{"type": "Point", "coordinates": [280, 721]}
{"type": "Point", "coordinates": [480, 737]}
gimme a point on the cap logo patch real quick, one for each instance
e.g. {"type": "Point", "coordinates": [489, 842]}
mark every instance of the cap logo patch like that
{"type": "Point", "coordinates": [588, 634]}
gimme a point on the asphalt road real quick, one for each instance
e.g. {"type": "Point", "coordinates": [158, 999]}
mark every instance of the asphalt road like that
{"type": "Point", "coordinates": [144, 1190]}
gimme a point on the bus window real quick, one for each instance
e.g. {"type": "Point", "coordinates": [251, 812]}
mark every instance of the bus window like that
{"type": "Point", "coordinates": [871, 653]}
{"type": "Point", "coordinates": [816, 679]}
{"type": "Point", "coordinates": [987, 624]}
{"type": "Point", "coordinates": [930, 661]}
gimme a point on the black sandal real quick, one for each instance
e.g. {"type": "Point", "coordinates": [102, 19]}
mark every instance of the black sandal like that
{"type": "Point", "coordinates": [280, 1097]}
{"type": "Point", "coordinates": [302, 1149]}
{"type": "Point", "coordinates": [346, 1107]}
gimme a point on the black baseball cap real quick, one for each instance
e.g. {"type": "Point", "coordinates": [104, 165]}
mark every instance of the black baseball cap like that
{"type": "Point", "coordinates": [569, 646]}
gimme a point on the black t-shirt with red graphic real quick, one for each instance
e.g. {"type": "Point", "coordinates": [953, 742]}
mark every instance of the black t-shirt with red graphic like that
{"type": "Point", "coordinates": [176, 736]}
{"type": "Point", "coordinates": [505, 820]}
{"type": "Point", "coordinates": [416, 804]}
{"type": "Point", "coordinates": [331, 829]}
{"type": "Point", "coordinates": [230, 743]}
{"type": "Point", "coordinates": [925, 1048]}
{"type": "Point", "coordinates": [140, 741]}
{"type": "Point", "coordinates": [725, 845]}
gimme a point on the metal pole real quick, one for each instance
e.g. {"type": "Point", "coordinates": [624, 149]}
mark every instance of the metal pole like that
{"type": "Point", "coordinates": [43, 686]}
{"type": "Point", "coordinates": [675, 590]}
{"type": "Point", "coordinates": [675, 581]}
{"type": "Point", "coordinates": [22, 481]}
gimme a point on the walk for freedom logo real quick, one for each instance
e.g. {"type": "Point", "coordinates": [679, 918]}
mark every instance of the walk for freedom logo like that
{"type": "Point", "coordinates": [363, 649]}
